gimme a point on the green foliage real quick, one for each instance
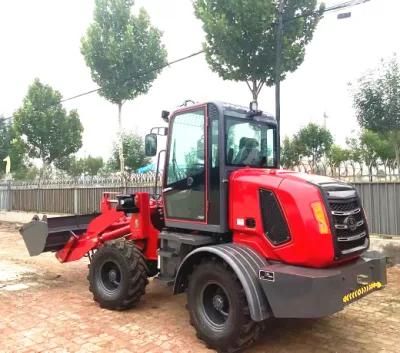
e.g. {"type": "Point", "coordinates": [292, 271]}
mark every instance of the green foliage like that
{"type": "Point", "coordinates": [83, 166]}
{"type": "Point", "coordinates": [314, 142]}
{"type": "Point", "coordinates": [11, 145]}
{"type": "Point", "coordinates": [377, 103]}
{"type": "Point", "coordinates": [121, 49]}
{"type": "Point", "coordinates": [134, 156]}
{"type": "Point", "coordinates": [290, 153]}
{"type": "Point", "coordinates": [191, 158]}
{"type": "Point", "coordinates": [51, 133]}
{"type": "Point", "coordinates": [373, 147]}
{"type": "Point", "coordinates": [370, 148]}
{"type": "Point", "coordinates": [337, 155]}
{"type": "Point", "coordinates": [93, 165]}
{"type": "Point", "coordinates": [241, 37]}
{"type": "Point", "coordinates": [355, 152]}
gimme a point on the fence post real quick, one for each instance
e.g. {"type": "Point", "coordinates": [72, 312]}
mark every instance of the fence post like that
{"type": "Point", "coordinates": [76, 201]}
{"type": "Point", "coordinates": [37, 199]}
{"type": "Point", "coordinates": [9, 196]}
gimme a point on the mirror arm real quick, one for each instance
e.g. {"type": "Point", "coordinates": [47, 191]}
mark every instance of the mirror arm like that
{"type": "Point", "coordinates": [157, 172]}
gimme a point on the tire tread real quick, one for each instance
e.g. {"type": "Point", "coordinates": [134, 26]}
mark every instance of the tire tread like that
{"type": "Point", "coordinates": [250, 330]}
{"type": "Point", "coordinates": [138, 275]}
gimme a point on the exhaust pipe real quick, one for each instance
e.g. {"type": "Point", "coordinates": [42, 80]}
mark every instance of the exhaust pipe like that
{"type": "Point", "coordinates": [51, 234]}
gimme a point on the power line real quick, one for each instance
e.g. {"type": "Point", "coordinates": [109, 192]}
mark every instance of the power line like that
{"type": "Point", "coordinates": [137, 76]}
{"type": "Point", "coordinates": [129, 79]}
{"type": "Point", "coordinates": [332, 8]}
{"type": "Point", "coordinates": [345, 5]}
{"type": "Point", "coordinates": [336, 7]}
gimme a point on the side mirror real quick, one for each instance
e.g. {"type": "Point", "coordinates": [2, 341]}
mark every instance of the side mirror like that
{"type": "Point", "coordinates": [165, 115]}
{"type": "Point", "coordinates": [150, 145]}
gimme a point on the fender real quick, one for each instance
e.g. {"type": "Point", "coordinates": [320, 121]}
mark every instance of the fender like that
{"type": "Point", "coordinates": [244, 262]}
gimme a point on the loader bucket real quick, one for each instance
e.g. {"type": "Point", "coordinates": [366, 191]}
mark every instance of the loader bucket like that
{"type": "Point", "coordinates": [51, 234]}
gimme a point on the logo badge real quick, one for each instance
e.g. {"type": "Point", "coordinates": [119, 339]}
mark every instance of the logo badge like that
{"type": "Point", "coordinates": [351, 223]}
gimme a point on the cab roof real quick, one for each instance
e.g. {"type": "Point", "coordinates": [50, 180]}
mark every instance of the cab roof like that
{"type": "Point", "coordinates": [225, 106]}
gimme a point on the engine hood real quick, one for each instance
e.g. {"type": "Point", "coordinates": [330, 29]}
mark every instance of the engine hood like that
{"type": "Point", "coordinates": [293, 194]}
{"type": "Point", "coordinates": [333, 188]}
{"type": "Point", "coordinates": [292, 175]}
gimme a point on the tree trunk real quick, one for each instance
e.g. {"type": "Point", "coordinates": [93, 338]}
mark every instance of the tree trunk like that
{"type": "Point", "coordinates": [397, 153]}
{"type": "Point", "coordinates": [120, 142]}
{"type": "Point", "coordinates": [43, 171]}
{"type": "Point", "coordinates": [254, 91]}
{"type": "Point", "coordinates": [370, 172]}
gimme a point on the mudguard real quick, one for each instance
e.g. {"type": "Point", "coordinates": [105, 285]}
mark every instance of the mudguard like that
{"type": "Point", "coordinates": [244, 261]}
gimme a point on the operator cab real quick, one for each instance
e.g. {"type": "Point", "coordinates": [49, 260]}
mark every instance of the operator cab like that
{"type": "Point", "coordinates": [206, 142]}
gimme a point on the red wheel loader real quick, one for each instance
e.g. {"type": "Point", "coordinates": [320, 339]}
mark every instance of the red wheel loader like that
{"type": "Point", "coordinates": [245, 240]}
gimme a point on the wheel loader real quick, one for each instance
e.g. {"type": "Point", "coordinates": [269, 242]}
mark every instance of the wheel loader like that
{"type": "Point", "coordinates": [246, 240]}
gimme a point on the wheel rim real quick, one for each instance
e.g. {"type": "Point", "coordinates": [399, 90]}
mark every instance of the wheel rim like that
{"type": "Point", "coordinates": [215, 304]}
{"type": "Point", "coordinates": [110, 276]}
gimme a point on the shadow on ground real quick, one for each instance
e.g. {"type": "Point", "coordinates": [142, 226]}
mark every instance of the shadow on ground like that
{"type": "Point", "coordinates": [392, 251]}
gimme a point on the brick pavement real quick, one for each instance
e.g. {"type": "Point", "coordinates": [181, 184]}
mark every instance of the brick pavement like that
{"type": "Point", "coordinates": [46, 307]}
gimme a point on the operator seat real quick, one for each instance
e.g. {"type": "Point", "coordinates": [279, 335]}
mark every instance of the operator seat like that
{"type": "Point", "coordinates": [248, 154]}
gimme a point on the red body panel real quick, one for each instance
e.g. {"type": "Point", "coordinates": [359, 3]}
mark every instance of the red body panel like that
{"type": "Point", "coordinates": [142, 228]}
{"type": "Point", "coordinates": [112, 224]}
{"type": "Point", "coordinates": [294, 192]}
{"type": "Point", "coordinates": [307, 246]}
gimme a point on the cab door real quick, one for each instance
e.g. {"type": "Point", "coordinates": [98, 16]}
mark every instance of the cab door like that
{"type": "Point", "coordinates": [185, 174]}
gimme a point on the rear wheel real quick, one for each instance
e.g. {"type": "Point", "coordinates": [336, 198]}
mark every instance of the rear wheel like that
{"type": "Point", "coordinates": [118, 275]}
{"type": "Point", "coordinates": [218, 308]}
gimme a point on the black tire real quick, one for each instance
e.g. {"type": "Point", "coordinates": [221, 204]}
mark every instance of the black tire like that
{"type": "Point", "coordinates": [218, 308]}
{"type": "Point", "coordinates": [118, 275]}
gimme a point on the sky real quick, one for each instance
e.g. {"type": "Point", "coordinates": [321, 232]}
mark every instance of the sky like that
{"type": "Point", "coordinates": [41, 39]}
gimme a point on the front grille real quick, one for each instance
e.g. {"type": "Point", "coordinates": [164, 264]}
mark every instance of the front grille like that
{"type": "Point", "coordinates": [343, 206]}
{"type": "Point", "coordinates": [349, 225]}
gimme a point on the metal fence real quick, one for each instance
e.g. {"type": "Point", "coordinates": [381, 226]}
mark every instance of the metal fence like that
{"type": "Point", "coordinates": [353, 172]}
{"type": "Point", "coordinates": [68, 196]}
{"type": "Point", "coordinates": [5, 203]}
{"type": "Point", "coordinates": [381, 200]}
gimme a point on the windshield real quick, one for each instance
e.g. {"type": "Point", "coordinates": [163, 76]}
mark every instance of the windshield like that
{"type": "Point", "coordinates": [250, 143]}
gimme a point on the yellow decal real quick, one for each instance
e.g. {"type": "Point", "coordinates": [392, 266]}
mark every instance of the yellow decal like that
{"type": "Point", "coordinates": [361, 291]}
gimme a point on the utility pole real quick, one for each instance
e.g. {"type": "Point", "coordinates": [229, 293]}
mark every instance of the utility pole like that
{"type": "Point", "coordinates": [279, 35]}
{"type": "Point", "coordinates": [278, 58]}
{"type": "Point", "coordinates": [325, 118]}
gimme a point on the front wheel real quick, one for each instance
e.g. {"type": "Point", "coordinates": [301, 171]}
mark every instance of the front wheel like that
{"type": "Point", "coordinates": [118, 275]}
{"type": "Point", "coordinates": [218, 308]}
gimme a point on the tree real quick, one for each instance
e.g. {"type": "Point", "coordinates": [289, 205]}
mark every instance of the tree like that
{"type": "Point", "coordinates": [134, 156]}
{"type": "Point", "coordinates": [93, 165]}
{"type": "Point", "coordinates": [51, 133]}
{"type": "Point", "coordinates": [241, 37]}
{"type": "Point", "coordinates": [290, 153]}
{"type": "Point", "coordinates": [377, 103]}
{"type": "Point", "coordinates": [83, 166]}
{"type": "Point", "coordinates": [124, 53]}
{"type": "Point", "coordinates": [314, 142]}
{"type": "Point", "coordinates": [368, 149]}
{"type": "Point", "coordinates": [12, 146]}
{"type": "Point", "coordinates": [374, 148]}
{"type": "Point", "coordinates": [336, 156]}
